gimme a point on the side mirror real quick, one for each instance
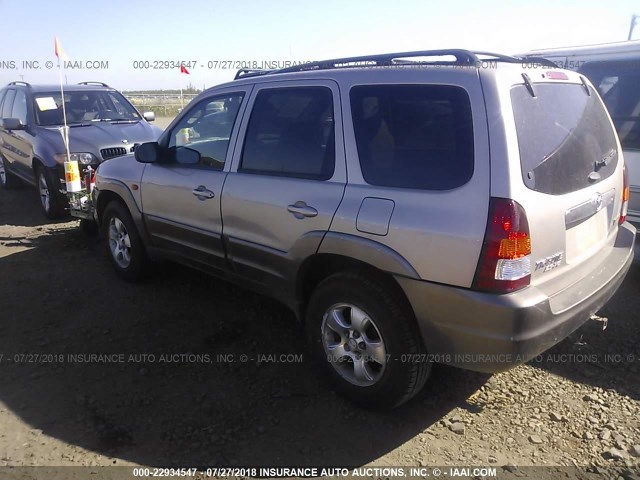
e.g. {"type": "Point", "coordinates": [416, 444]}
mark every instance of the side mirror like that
{"type": "Point", "coordinates": [149, 116]}
{"type": "Point", "coordinates": [13, 124]}
{"type": "Point", "coordinates": [147, 152]}
{"type": "Point", "coordinates": [187, 156]}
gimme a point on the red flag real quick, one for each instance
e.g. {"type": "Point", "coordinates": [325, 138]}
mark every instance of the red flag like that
{"type": "Point", "coordinates": [183, 69]}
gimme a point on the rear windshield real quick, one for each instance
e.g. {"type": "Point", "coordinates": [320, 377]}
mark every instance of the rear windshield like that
{"type": "Point", "coordinates": [619, 86]}
{"type": "Point", "coordinates": [565, 137]}
{"type": "Point", "coordinates": [413, 136]}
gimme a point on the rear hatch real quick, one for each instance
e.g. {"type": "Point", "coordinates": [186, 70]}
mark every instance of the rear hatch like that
{"type": "Point", "coordinates": [571, 175]}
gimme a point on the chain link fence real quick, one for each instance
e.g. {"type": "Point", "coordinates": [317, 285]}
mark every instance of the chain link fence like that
{"type": "Point", "coordinates": [166, 105]}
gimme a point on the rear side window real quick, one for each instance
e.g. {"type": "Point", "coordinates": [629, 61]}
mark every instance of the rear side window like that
{"type": "Point", "coordinates": [291, 133]}
{"type": "Point", "coordinates": [413, 136]}
{"type": "Point", "coordinates": [619, 86]}
{"type": "Point", "coordinates": [565, 138]}
{"type": "Point", "coordinates": [8, 104]}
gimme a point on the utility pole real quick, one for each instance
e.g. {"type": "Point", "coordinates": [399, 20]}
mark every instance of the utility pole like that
{"type": "Point", "coordinates": [634, 19]}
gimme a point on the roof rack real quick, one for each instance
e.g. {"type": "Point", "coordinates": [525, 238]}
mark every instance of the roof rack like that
{"type": "Point", "coordinates": [19, 82]}
{"type": "Point", "coordinates": [247, 72]}
{"type": "Point", "coordinates": [94, 83]}
{"type": "Point", "coordinates": [462, 57]}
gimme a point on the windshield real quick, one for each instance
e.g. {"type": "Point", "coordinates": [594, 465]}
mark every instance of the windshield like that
{"type": "Point", "coordinates": [83, 107]}
{"type": "Point", "coordinates": [565, 138]}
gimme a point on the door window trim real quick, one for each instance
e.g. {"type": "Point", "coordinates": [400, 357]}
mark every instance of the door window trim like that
{"type": "Point", "coordinates": [340, 167]}
{"type": "Point", "coordinates": [289, 174]}
{"type": "Point", "coordinates": [166, 137]}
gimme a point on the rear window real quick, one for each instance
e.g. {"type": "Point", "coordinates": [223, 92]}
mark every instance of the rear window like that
{"type": "Point", "coordinates": [413, 136]}
{"type": "Point", "coordinates": [619, 86]}
{"type": "Point", "coordinates": [565, 138]}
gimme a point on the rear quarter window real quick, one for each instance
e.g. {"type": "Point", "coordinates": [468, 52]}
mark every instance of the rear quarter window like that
{"type": "Point", "coordinates": [565, 138]}
{"type": "Point", "coordinates": [413, 136]}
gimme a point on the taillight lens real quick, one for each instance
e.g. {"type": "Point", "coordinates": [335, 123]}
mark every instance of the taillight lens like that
{"type": "Point", "coordinates": [625, 196]}
{"type": "Point", "coordinates": [505, 261]}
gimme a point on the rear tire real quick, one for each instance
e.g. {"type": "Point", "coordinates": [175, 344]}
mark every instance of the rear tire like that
{"type": "Point", "coordinates": [52, 202]}
{"type": "Point", "coordinates": [123, 243]}
{"type": "Point", "coordinates": [7, 179]}
{"type": "Point", "coordinates": [365, 339]}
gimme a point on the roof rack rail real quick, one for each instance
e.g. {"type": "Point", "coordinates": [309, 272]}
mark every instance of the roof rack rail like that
{"type": "Point", "coordinates": [19, 82]}
{"type": "Point", "coordinates": [94, 83]}
{"type": "Point", "coordinates": [463, 57]}
{"type": "Point", "coordinates": [247, 72]}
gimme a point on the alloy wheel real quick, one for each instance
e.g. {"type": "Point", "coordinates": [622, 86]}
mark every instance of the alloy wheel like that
{"type": "Point", "coordinates": [353, 344]}
{"type": "Point", "coordinates": [119, 243]}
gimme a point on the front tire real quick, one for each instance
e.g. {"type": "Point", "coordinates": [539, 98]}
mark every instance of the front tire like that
{"type": "Point", "coordinates": [124, 245]}
{"type": "Point", "coordinates": [52, 202]}
{"type": "Point", "coordinates": [365, 340]}
{"type": "Point", "coordinates": [7, 179]}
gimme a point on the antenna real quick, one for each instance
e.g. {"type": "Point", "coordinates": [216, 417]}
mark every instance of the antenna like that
{"type": "Point", "coordinates": [634, 19]}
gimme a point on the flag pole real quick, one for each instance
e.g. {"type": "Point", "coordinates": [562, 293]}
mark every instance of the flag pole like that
{"type": "Point", "coordinates": [65, 135]}
{"type": "Point", "coordinates": [71, 169]}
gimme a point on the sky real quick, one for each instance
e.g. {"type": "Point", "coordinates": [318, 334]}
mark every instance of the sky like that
{"type": "Point", "coordinates": [123, 40]}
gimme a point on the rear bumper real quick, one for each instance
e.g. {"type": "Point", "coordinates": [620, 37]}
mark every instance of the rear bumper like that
{"type": "Point", "coordinates": [492, 333]}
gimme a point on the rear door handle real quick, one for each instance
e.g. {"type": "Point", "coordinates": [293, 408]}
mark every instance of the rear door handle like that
{"type": "Point", "coordinates": [301, 210]}
{"type": "Point", "coordinates": [203, 193]}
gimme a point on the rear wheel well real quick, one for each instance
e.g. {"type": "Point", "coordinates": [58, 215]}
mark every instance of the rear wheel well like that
{"type": "Point", "coordinates": [323, 265]}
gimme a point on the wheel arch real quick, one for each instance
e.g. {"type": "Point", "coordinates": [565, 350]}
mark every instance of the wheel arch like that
{"type": "Point", "coordinates": [320, 266]}
{"type": "Point", "coordinates": [120, 194]}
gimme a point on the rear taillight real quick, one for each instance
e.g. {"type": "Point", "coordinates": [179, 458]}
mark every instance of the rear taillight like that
{"type": "Point", "coordinates": [625, 196]}
{"type": "Point", "coordinates": [505, 261]}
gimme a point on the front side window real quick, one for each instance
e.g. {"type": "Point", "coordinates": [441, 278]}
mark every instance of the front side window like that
{"type": "Point", "coordinates": [7, 106]}
{"type": "Point", "coordinates": [2, 94]}
{"type": "Point", "coordinates": [20, 107]}
{"type": "Point", "coordinates": [206, 129]}
{"type": "Point", "coordinates": [619, 85]}
{"type": "Point", "coordinates": [413, 136]}
{"type": "Point", "coordinates": [84, 106]}
{"type": "Point", "coordinates": [291, 132]}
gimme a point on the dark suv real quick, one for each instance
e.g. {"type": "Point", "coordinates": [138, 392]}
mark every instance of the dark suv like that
{"type": "Point", "coordinates": [103, 124]}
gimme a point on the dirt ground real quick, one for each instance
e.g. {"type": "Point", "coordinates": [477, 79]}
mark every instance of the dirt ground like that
{"type": "Point", "coordinates": [166, 392]}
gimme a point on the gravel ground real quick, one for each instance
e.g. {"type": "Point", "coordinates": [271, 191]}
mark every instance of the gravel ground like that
{"type": "Point", "coordinates": [150, 403]}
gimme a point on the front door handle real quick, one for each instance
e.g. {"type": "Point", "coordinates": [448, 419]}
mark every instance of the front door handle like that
{"type": "Point", "coordinates": [301, 210]}
{"type": "Point", "coordinates": [203, 193]}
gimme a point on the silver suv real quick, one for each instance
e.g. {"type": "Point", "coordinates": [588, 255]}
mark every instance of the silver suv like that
{"type": "Point", "coordinates": [410, 208]}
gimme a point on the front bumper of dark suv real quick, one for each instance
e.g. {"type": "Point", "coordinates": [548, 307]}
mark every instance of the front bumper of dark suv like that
{"type": "Point", "coordinates": [491, 333]}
